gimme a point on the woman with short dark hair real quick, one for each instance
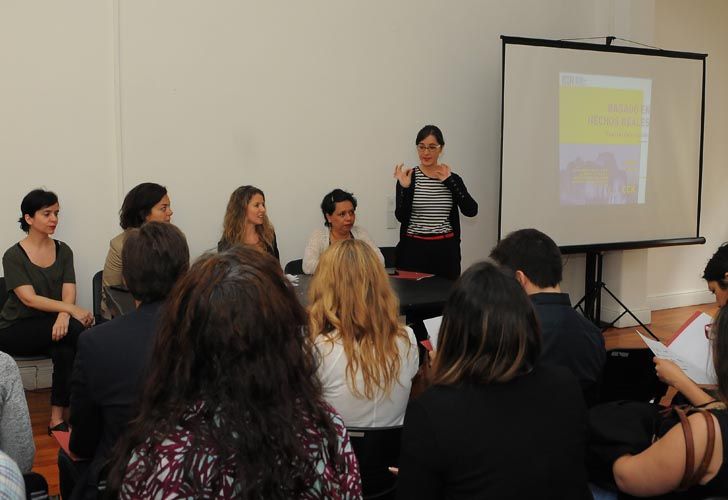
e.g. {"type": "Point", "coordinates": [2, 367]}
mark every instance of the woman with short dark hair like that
{"type": "Point", "coordinates": [40, 315]}
{"type": "Point", "coordinates": [232, 407]}
{"type": "Point", "coordinates": [146, 202]}
{"type": "Point", "coordinates": [494, 424]}
{"type": "Point", "coordinates": [339, 210]}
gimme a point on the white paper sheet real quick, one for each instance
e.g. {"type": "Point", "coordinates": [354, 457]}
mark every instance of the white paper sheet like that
{"type": "Point", "coordinates": [432, 325]}
{"type": "Point", "coordinates": [692, 355]}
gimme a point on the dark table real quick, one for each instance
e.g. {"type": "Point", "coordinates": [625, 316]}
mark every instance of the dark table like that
{"type": "Point", "coordinates": [424, 297]}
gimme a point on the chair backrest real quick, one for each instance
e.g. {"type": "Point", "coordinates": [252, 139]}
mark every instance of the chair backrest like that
{"type": "Point", "coordinates": [3, 293]}
{"type": "Point", "coordinates": [96, 285]}
{"type": "Point", "coordinates": [389, 256]}
{"type": "Point", "coordinates": [294, 267]}
{"type": "Point", "coordinates": [36, 486]}
{"type": "Point", "coordinates": [376, 450]}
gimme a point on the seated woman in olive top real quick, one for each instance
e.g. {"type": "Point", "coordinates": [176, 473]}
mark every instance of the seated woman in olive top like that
{"type": "Point", "coordinates": [40, 315]}
{"type": "Point", "coordinates": [246, 222]}
{"type": "Point", "coordinates": [146, 202]}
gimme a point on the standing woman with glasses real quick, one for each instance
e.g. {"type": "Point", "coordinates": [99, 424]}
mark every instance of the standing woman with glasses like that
{"type": "Point", "coordinates": [428, 199]}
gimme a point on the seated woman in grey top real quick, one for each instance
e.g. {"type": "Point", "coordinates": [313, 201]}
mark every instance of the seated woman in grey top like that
{"type": "Point", "coordinates": [339, 210]}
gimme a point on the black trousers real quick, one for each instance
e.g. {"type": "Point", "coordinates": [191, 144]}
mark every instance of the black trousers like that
{"type": "Point", "coordinates": [438, 257]}
{"type": "Point", "coordinates": [32, 337]}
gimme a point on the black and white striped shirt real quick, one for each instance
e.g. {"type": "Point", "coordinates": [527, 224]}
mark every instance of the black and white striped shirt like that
{"type": "Point", "coordinates": [431, 206]}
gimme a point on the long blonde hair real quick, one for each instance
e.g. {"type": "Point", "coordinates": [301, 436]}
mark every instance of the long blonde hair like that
{"type": "Point", "coordinates": [233, 228]}
{"type": "Point", "coordinates": [351, 299]}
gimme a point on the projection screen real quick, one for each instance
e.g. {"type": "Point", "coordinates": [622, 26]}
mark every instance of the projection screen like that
{"type": "Point", "coordinates": [601, 145]}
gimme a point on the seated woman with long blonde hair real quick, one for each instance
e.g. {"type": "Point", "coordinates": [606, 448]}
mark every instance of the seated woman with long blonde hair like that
{"type": "Point", "coordinates": [246, 222]}
{"type": "Point", "coordinates": [367, 356]}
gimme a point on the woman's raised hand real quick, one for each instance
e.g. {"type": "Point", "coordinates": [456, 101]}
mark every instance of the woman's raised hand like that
{"type": "Point", "coordinates": [441, 172]}
{"type": "Point", "coordinates": [403, 175]}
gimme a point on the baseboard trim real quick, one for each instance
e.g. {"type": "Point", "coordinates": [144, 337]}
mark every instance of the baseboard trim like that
{"type": "Point", "coordinates": [680, 299]}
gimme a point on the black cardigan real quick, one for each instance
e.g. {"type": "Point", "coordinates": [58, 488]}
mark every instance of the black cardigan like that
{"type": "Point", "coordinates": [460, 196]}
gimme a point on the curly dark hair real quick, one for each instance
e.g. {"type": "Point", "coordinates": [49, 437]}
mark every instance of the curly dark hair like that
{"type": "Point", "coordinates": [717, 267]}
{"type": "Point", "coordinates": [233, 337]}
{"type": "Point", "coordinates": [138, 203]}
{"type": "Point", "coordinates": [328, 204]}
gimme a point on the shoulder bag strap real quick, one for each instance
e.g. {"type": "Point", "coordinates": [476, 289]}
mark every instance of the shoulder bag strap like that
{"type": "Point", "coordinates": [709, 445]}
{"type": "Point", "coordinates": [689, 450]}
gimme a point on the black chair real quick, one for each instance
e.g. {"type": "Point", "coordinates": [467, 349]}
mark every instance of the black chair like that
{"type": "Point", "coordinates": [3, 293]}
{"type": "Point", "coordinates": [96, 287]}
{"type": "Point", "coordinates": [294, 267]}
{"type": "Point", "coordinates": [36, 486]}
{"type": "Point", "coordinates": [376, 450]}
{"type": "Point", "coordinates": [389, 256]}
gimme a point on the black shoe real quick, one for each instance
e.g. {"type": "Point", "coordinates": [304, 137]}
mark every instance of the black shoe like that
{"type": "Point", "coordinates": [63, 427]}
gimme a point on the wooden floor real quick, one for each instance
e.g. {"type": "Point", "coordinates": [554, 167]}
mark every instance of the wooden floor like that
{"type": "Point", "coordinates": [664, 324]}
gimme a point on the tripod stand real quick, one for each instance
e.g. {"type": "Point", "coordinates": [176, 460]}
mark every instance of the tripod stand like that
{"type": "Point", "coordinates": [591, 303]}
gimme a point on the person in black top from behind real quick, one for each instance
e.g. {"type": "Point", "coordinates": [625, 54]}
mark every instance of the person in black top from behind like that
{"type": "Point", "coordinates": [112, 358]}
{"type": "Point", "coordinates": [569, 339]}
{"type": "Point", "coordinates": [494, 424]}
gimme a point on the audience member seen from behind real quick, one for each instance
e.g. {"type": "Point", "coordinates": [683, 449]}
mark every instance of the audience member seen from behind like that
{"type": "Point", "coordinates": [494, 424]}
{"type": "Point", "coordinates": [111, 359]}
{"type": "Point", "coordinates": [232, 406]}
{"type": "Point", "coordinates": [147, 202]}
{"type": "Point", "coordinates": [246, 222]}
{"type": "Point", "coordinates": [568, 338]}
{"type": "Point", "coordinates": [40, 315]}
{"type": "Point", "coordinates": [339, 210]}
{"type": "Point", "coordinates": [16, 434]}
{"type": "Point", "coordinates": [367, 356]}
{"type": "Point", "coordinates": [660, 468]}
{"type": "Point", "coordinates": [429, 199]}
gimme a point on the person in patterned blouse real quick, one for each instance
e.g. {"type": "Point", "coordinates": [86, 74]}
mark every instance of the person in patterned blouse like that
{"type": "Point", "coordinates": [232, 407]}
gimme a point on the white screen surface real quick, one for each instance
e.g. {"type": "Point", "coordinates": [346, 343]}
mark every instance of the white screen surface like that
{"type": "Point", "coordinates": [600, 147]}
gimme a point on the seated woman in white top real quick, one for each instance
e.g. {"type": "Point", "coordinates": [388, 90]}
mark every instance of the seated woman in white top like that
{"type": "Point", "coordinates": [339, 209]}
{"type": "Point", "coordinates": [367, 357]}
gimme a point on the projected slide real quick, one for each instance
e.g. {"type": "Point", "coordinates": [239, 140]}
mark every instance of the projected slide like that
{"type": "Point", "coordinates": [604, 124]}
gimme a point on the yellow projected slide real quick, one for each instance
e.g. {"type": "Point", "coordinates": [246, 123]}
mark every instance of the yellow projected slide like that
{"type": "Point", "coordinates": [603, 139]}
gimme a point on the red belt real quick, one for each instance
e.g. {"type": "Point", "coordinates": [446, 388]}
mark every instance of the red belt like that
{"type": "Point", "coordinates": [435, 237]}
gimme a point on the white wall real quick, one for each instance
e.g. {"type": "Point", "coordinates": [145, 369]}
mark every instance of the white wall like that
{"type": "Point", "coordinates": [297, 98]}
{"type": "Point", "coordinates": [300, 98]}
{"type": "Point", "coordinates": [697, 26]}
{"type": "Point", "coordinates": [56, 123]}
